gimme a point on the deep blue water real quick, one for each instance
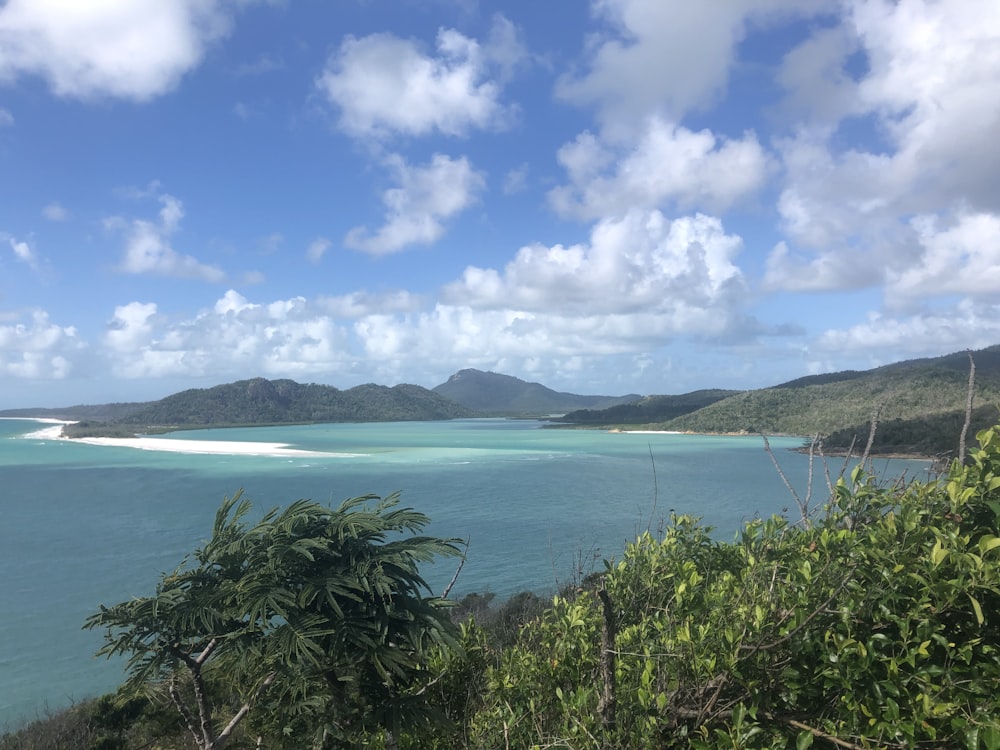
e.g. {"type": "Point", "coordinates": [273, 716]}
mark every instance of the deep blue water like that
{"type": "Point", "coordinates": [84, 525]}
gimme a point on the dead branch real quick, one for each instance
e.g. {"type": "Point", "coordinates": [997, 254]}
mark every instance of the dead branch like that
{"type": "Point", "coordinates": [461, 564]}
{"type": "Point", "coordinates": [777, 466]}
{"type": "Point", "coordinates": [866, 456]}
{"type": "Point", "coordinates": [968, 408]}
{"type": "Point", "coordinates": [609, 631]}
{"type": "Point", "coordinates": [822, 735]}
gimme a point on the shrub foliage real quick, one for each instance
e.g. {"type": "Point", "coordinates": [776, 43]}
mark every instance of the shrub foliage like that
{"type": "Point", "coordinates": [877, 625]}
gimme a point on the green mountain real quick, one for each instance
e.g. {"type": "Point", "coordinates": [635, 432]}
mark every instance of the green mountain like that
{"type": "Point", "coordinates": [261, 401]}
{"type": "Point", "coordinates": [495, 394]}
{"type": "Point", "coordinates": [257, 401]}
{"type": "Point", "coordinates": [80, 412]}
{"type": "Point", "coordinates": [920, 404]}
{"type": "Point", "coordinates": [648, 409]}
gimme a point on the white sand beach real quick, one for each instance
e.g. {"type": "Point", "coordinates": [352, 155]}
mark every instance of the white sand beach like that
{"type": "Point", "coordinates": [218, 447]}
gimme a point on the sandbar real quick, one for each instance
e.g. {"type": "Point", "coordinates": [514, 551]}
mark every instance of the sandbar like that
{"type": "Point", "coordinates": [169, 445]}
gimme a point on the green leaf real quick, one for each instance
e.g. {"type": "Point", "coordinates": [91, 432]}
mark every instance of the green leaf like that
{"type": "Point", "coordinates": [977, 609]}
{"type": "Point", "coordinates": [988, 542]}
{"type": "Point", "coordinates": [938, 553]}
{"type": "Point", "coordinates": [803, 740]}
{"type": "Point", "coordinates": [990, 737]}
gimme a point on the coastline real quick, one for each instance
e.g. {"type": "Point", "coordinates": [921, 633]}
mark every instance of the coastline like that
{"type": "Point", "coordinates": [167, 445]}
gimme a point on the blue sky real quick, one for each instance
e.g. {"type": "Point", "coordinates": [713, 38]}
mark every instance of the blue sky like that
{"type": "Point", "coordinates": [622, 196]}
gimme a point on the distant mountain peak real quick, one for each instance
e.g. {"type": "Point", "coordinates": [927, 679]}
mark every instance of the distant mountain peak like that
{"type": "Point", "coordinates": [499, 394]}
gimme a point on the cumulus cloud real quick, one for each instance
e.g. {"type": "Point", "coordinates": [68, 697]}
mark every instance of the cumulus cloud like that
{"type": "Point", "coordinates": [926, 103]}
{"type": "Point", "coordinates": [362, 303]}
{"type": "Point", "coordinates": [652, 57]}
{"type": "Point", "coordinates": [640, 275]}
{"type": "Point", "coordinates": [111, 48]}
{"type": "Point", "coordinates": [963, 259]}
{"type": "Point", "coordinates": [886, 338]}
{"type": "Point", "coordinates": [383, 85]}
{"type": "Point", "coordinates": [37, 348]}
{"type": "Point", "coordinates": [667, 164]}
{"type": "Point", "coordinates": [286, 338]}
{"type": "Point", "coordinates": [416, 210]}
{"type": "Point", "coordinates": [148, 248]}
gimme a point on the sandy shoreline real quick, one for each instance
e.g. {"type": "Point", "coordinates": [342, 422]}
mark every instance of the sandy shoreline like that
{"type": "Point", "coordinates": [168, 445]}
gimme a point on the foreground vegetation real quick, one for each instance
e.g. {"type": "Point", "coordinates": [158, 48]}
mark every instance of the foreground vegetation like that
{"type": "Point", "coordinates": [873, 621]}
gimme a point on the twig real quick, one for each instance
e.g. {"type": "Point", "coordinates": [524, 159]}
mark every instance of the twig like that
{"type": "Point", "coordinates": [461, 564]}
{"type": "Point", "coordinates": [791, 633]}
{"type": "Point", "coordinates": [656, 488]}
{"type": "Point", "coordinates": [866, 456]}
{"type": "Point", "coordinates": [767, 447]}
{"type": "Point", "coordinates": [185, 712]}
{"type": "Point", "coordinates": [608, 701]}
{"type": "Point", "coordinates": [968, 408]}
{"type": "Point", "coordinates": [823, 735]}
{"type": "Point", "coordinates": [244, 710]}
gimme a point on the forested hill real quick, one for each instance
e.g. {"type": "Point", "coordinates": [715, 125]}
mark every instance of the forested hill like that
{"type": "Point", "coordinates": [261, 401]}
{"type": "Point", "coordinates": [920, 403]}
{"type": "Point", "coordinates": [648, 409]}
{"type": "Point", "coordinates": [495, 394]}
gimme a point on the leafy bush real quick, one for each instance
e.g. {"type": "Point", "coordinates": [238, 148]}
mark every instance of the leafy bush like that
{"type": "Point", "coordinates": [877, 626]}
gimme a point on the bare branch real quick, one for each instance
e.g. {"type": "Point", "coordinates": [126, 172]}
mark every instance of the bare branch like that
{"type": "Point", "coordinates": [823, 735]}
{"type": "Point", "coordinates": [241, 714]}
{"type": "Point", "coordinates": [609, 631]}
{"type": "Point", "coordinates": [207, 651]}
{"type": "Point", "coordinates": [454, 578]}
{"type": "Point", "coordinates": [777, 466]}
{"type": "Point", "coordinates": [968, 408]}
{"type": "Point", "coordinates": [184, 711]}
{"type": "Point", "coordinates": [656, 487]}
{"type": "Point", "coordinates": [866, 456]}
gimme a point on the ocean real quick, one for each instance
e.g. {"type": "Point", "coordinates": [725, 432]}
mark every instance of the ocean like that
{"type": "Point", "coordinates": [84, 525]}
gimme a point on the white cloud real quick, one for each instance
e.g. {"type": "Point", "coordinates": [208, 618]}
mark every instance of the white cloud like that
{"type": "Point", "coordinates": [968, 325]}
{"type": "Point", "coordinates": [416, 209]}
{"type": "Point", "coordinates": [6, 118]}
{"type": "Point", "coordinates": [640, 276]}
{"type": "Point", "coordinates": [668, 164]}
{"type": "Point", "coordinates": [38, 349]}
{"type": "Point", "coordinates": [148, 249]}
{"type": "Point", "coordinates": [23, 252]}
{"type": "Point", "coordinates": [963, 259]}
{"type": "Point", "coordinates": [927, 108]}
{"type": "Point", "coordinates": [654, 57]}
{"type": "Point", "coordinates": [55, 212]}
{"type": "Point", "coordinates": [316, 249]}
{"type": "Point", "coordinates": [285, 338]}
{"type": "Point", "coordinates": [384, 85]}
{"type": "Point", "coordinates": [362, 303]}
{"type": "Point", "coordinates": [114, 48]}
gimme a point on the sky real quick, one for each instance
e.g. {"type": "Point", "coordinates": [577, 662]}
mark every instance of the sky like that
{"type": "Point", "coordinates": [607, 197]}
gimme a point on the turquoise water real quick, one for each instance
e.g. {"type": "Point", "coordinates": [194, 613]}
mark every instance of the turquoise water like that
{"type": "Point", "coordinates": [85, 525]}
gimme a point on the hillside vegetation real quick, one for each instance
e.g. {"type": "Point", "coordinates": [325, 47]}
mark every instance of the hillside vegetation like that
{"type": "Point", "coordinates": [503, 395]}
{"type": "Point", "coordinates": [920, 406]}
{"type": "Point", "coordinates": [647, 409]}
{"type": "Point", "coordinates": [827, 403]}
{"type": "Point", "coordinates": [261, 401]}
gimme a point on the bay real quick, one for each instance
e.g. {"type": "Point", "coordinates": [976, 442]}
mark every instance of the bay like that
{"type": "Point", "coordinates": [82, 525]}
